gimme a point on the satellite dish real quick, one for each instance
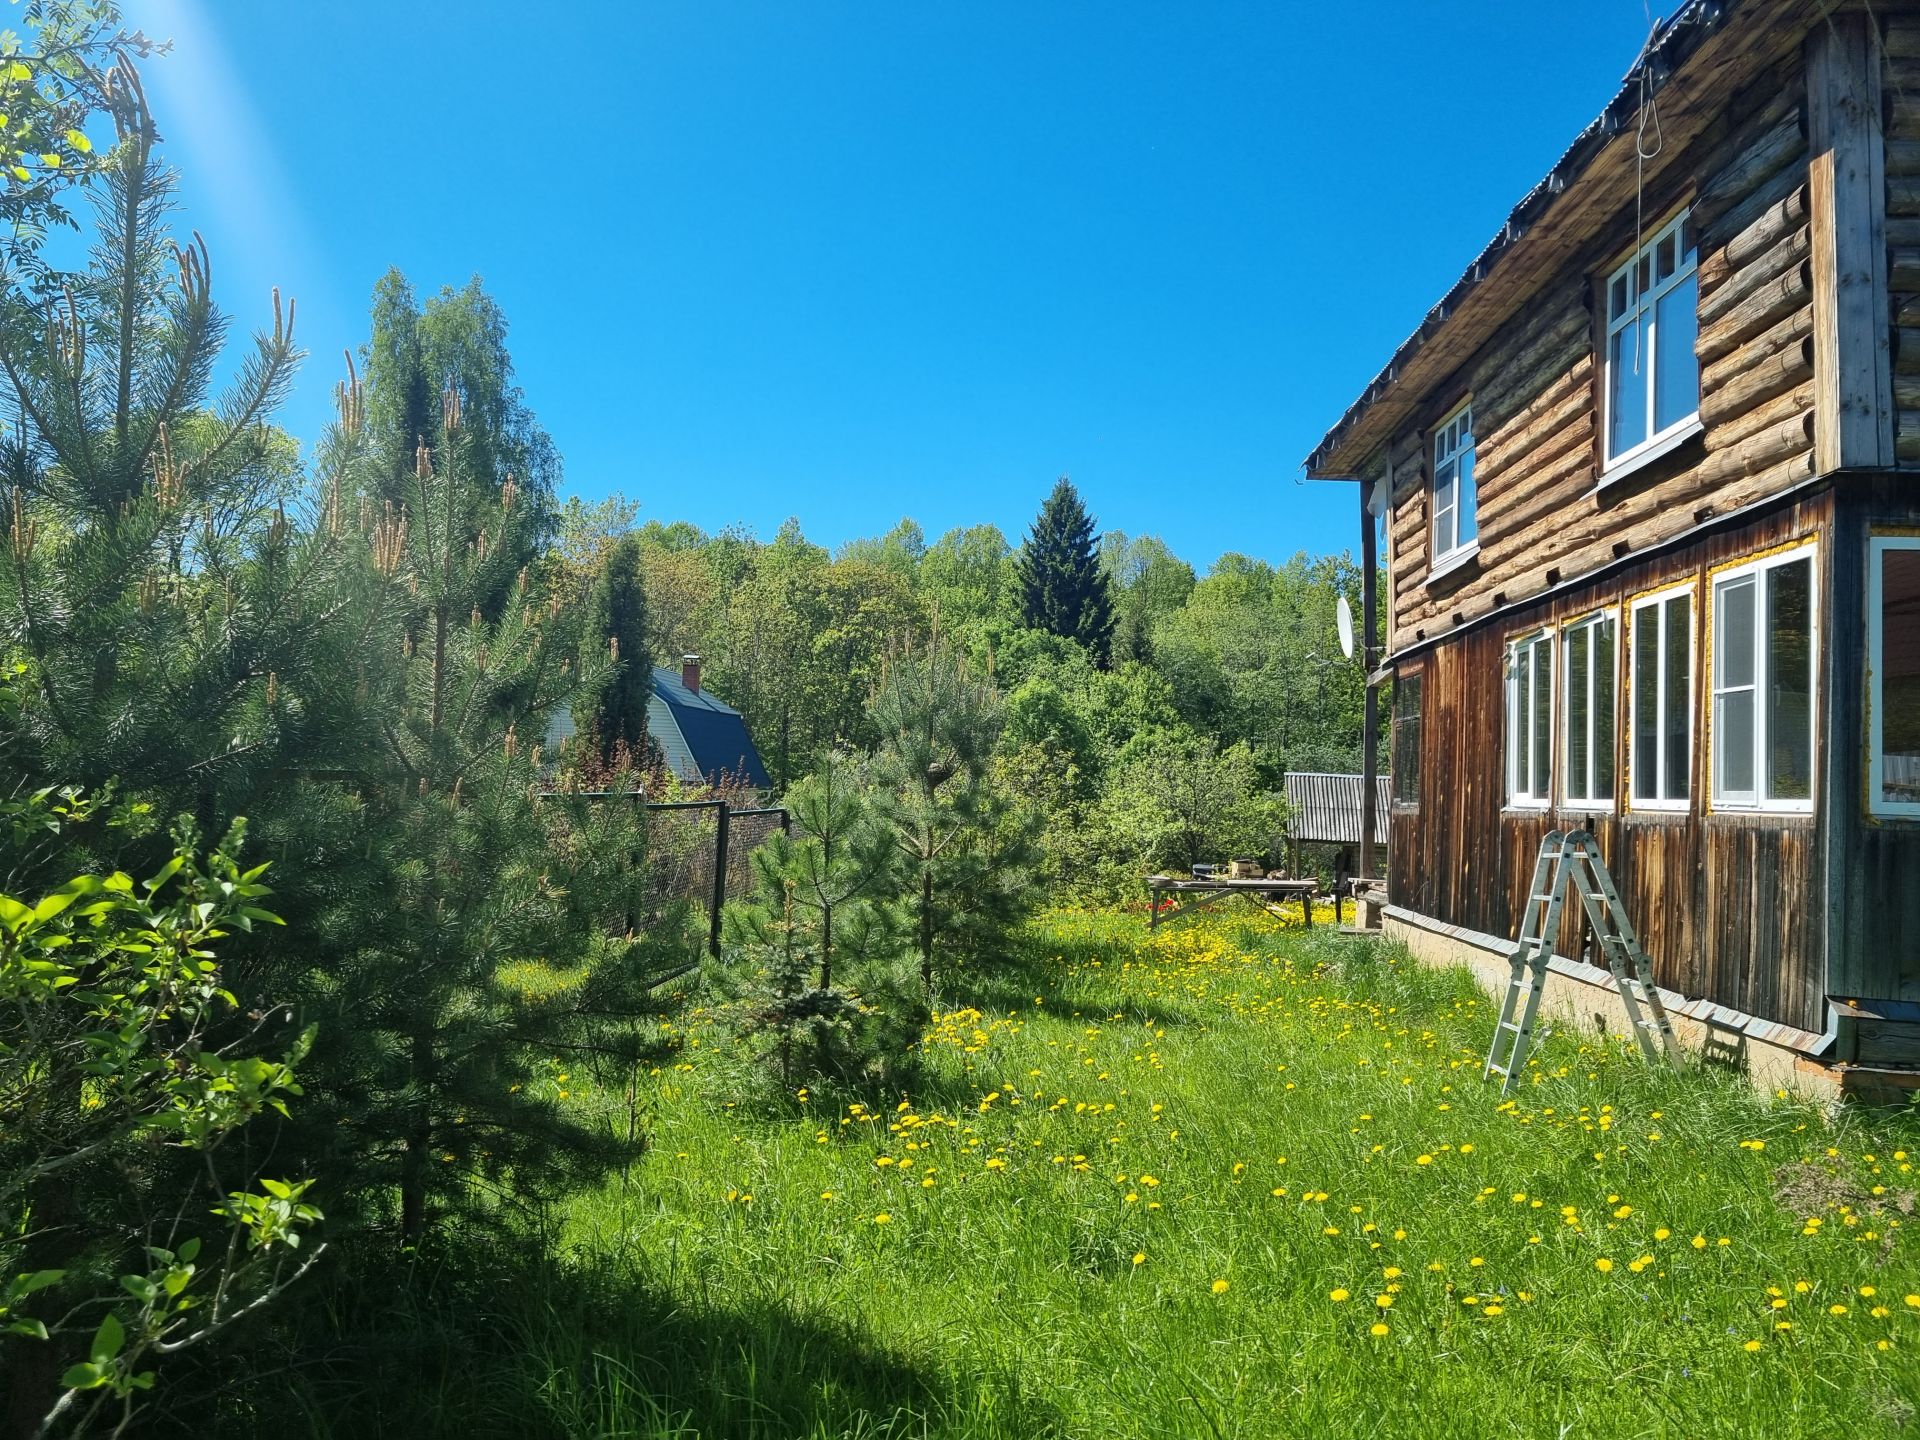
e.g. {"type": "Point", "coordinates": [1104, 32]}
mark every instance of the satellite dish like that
{"type": "Point", "coordinates": [1343, 617]}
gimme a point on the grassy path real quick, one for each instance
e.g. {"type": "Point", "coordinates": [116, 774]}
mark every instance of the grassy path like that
{"type": "Point", "coordinates": [1233, 1181]}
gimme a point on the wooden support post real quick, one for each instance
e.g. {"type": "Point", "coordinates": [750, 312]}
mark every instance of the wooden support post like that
{"type": "Point", "coordinates": [1847, 217]}
{"type": "Point", "coordinates": [719, 879]}
{"type": "Point", "coordinates": [1370, 724]}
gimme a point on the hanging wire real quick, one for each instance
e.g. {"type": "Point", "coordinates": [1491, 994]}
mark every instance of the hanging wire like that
{"type": "Point", "coordinates": [1647, 142]}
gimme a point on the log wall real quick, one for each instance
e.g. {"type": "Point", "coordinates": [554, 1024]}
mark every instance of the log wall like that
{"type": "Point", "coordinates": [1536, 394]}
{"type": "Point", "coordinates": [1730, 908]}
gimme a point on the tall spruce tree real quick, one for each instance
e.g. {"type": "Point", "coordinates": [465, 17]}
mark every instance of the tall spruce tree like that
{"type": "Point", "coordinates": [616, 720]}
{"type": "Point", "coordinates": [1063, 589]}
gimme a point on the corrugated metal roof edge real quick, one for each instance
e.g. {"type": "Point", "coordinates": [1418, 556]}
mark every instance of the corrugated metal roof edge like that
{"type": "Point", "coordinates": [1665, 53]}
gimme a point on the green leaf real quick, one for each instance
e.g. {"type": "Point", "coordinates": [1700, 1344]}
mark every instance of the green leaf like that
{"type": "Point", "coordinates": [189, 1248]}
{"type": "Point", "coordinates": [107, 1340]}
{"type": "Point", "coordinates": [38, 1280]}
{"type": "Point", "coordinates": [31, 1329]}
{"type": "Point", "coordinates": [60, 899]}
{"type": "Point", "coordinates": [79, 141]}
{"type": "Point", "coordinates": [279, 1189]}
{"type": "Point", "coordinates": [165, 873]}
{"type": "Point", "coordinates": [83, 1377]}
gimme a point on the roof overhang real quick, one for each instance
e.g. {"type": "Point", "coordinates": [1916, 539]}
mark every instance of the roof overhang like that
{"type": "Point", "coordinates": [1691, 65]}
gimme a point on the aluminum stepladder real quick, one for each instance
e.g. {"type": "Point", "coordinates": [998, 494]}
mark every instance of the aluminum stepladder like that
{"type": "Point", "coordinates": [1571, 861]}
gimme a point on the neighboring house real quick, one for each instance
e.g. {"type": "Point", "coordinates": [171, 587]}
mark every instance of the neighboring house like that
{"type": "Point", "coordinates": [1651, 479]}
{"type": "Point", "coordinates": [700, 739]}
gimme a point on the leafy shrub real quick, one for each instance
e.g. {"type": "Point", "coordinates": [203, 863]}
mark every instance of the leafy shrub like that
{"type": "Point", "coordinates": [126, 1071]}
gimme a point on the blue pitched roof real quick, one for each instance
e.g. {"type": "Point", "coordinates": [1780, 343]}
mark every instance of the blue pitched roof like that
{"type": "Point", "coordinates": [714, 732]}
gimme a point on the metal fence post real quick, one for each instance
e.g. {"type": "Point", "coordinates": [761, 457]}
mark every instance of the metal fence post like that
{"type": "Point", "coordinates": [719, 880]}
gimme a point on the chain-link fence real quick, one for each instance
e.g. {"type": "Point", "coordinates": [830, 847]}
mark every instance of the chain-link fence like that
{"type": "Point", "coordinates": [699, 856]}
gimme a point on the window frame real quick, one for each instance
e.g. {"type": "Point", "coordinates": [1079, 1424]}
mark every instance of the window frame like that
{"type": "Point", "coordinates": [1411, 680]}
{"type": "Point", "coordinates": [1518, 714]}
{"type": "Point", "coordinates": [1562, 719]}
{"type": "Point", "coordinates": [1757, 567]}
{"type": "Point", "coordinates": [1639, 305]}
{"type": "Point", "coordinates": [1656, 601]}
{"type": "Point", "coordinates": [1877, 804]}
{"type": "Point", "coordinates": [1459, 550]}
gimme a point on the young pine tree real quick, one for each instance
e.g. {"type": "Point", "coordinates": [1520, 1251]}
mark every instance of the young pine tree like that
{"type": "Point", "coordinates": [473, 952]}
{"type": "Point", "coordinates": [150, 579]}
{"type": "Point", "coordinates": [824, 973]}
{"type": "Point", "coordinates": [966, 850]}
{"type": "Point", "coordinates": [1063, 590]}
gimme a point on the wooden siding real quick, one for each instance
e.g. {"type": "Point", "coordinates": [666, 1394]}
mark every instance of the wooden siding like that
{"type": "Point", "coordinates": [1729, 907]}
{"type": "Point", "coordinates": [1536, 393]}
{"type": "Point", "coordinates": [1900, 95]}
{"type": "Point", "coordinates": [1873, 866]}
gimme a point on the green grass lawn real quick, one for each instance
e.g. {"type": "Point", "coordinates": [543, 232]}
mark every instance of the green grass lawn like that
{"type": "Point", "coordinates": [1233, 1180]}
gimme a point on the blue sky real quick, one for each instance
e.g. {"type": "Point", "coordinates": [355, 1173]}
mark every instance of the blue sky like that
{"type": "Point", "coordinates": [857, 261]}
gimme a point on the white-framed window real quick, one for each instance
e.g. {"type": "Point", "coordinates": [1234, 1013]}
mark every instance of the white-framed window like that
{"type": "Point", "coordinates": [1893, 674]}
{"type": "Point", "coordinates": [1530, 720]}
{"type": "Point", "coordinates": [1589, 722]}
{"type": "Point", "coordinates": [1456, 523]}
{"type": "Point", "coordinates": [1653, 317]}
{"type": "Point", "coordinates": [1660, 730]}
{"type": "Point", "coordinates": [1761, 741]}
{"type": "Point", "coordinates": [1405, 754]}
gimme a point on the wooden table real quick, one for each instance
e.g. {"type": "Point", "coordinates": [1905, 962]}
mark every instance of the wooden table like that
{"type": "Point", "coordinates": [1205, 892]}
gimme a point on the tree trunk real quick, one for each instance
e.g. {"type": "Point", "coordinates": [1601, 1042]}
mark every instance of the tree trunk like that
{"type": "Point", "coordinates": [413, 1167]}
{"type": "Point", "coordinates": [926, 925]}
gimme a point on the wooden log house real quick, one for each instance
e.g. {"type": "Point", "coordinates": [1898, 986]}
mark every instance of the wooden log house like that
{"type": "Point", "coordinates": [1650, 482]}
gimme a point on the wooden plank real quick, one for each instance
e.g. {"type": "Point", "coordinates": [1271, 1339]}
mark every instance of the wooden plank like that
{"type": "Point", "coordinates": [1853, 404]}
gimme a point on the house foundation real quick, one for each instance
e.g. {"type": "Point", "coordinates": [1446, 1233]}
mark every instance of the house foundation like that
{"type": "Point", "coordinates": [1580, 996]}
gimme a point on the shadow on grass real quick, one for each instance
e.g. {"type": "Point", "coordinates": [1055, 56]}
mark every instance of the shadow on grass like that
{"type": "Point", "coordinates": [411, 1350]}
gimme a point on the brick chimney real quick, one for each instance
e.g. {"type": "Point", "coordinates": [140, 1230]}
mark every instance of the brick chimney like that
{"type": "Point", "coordinates": [690, 672]}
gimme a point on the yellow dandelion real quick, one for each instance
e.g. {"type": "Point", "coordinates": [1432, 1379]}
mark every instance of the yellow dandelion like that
{"type": "Point", "coordinates": [1378, 1330]}
{"type": "Point", "coordinates": [1337, 1296]}
{"type": "Point", "coordinates": [1139, 1257]}
{"type": "Point", "coordinates": [1751, 1346]}
{"type": "Point", "coordinates": [1220, 1287]}
{"type": "Point", "coordinates": [1603, 1265]}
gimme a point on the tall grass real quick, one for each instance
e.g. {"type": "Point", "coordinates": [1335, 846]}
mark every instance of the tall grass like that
{"type": "Point", "coordinates": [1223, 1180]}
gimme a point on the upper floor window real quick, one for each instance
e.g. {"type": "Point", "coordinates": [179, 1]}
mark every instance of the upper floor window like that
{"type": "Point", "coordinates": [1893, 674]}
{"type": "Point", "coordinates": [1652, 374]}
{"type": "Point", "coordinates": [1456, 526]}
{"type": "Point", "coordinates": [1661, 768]}
{"type": "Point", "coordinates": [1761, 740]}
{"type": "Point", "coordinates": [1530, 720]}
{"type": "Point", "coordinates": [1588, 711]}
